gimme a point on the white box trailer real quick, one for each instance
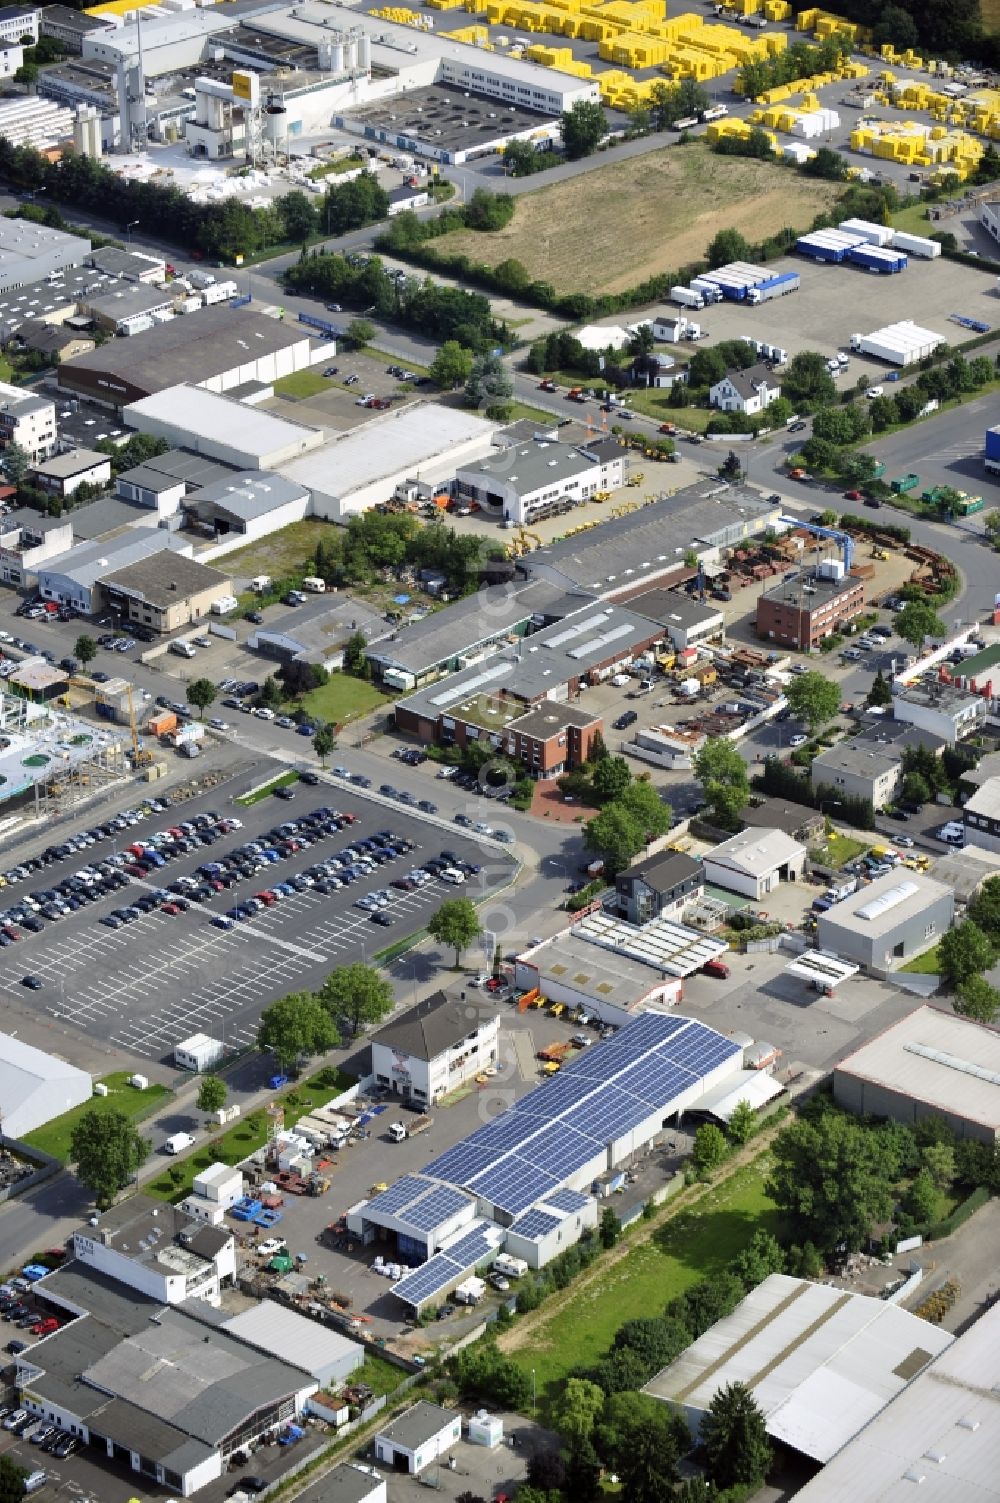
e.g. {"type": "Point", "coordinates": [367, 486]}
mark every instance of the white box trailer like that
{"type": "Point", "coordinates": [904, 343]}
{"type": "Point", "coordinates": [874, 234]}
{"type": "Point", "coordinates": [917, 245]}
{"type": "Point", "coordinates": [686, 297]}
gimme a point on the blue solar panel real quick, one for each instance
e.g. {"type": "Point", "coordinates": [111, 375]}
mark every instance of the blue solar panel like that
{"type": "Point", "coordinates": [560, 1151]}
{"type": "Point", "coordinates": [567, 1200]}
{"type": "Point", "coordinates": [535, 1224]}
{"type": "Point", "coordinates": [429, 1279]}
{"type": "Point", "coordinates": [398, 1195]}
{"type": "Point", "coordinates": [565, 1091]}
{"type": "Point", "coordinates": [473, 1245]}
{"type": "Point", "coordinates": [509, 1131]}
{"type": "Point", "coordinates": [434, 1208]}
{"type": "Point", "coordinates": [461, 1164]}
{"type": "Point", "coordinates": [616, 1115]}
{"type": "Point", "coordinates": [513, 1185]}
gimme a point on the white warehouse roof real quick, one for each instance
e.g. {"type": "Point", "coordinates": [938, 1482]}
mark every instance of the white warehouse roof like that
{"type": "Point", "coordinates": [944, 1062]}
{"type": "Point", "coordinates": [821, 1363]}
{"type": "Point", "coordinates": [939, 1439]}
{"type": "Point", "coordinates": [198, 414]}
{"type": "Point", "coordinates": [296, 1339]}
{"type": "Point", "coordinates": [35, 1086]}
{"type": "Point", "coordinates": [756, 852]}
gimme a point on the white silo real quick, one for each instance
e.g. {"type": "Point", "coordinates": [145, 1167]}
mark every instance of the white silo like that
{"type": "Point", "coordinates": [365, 52]}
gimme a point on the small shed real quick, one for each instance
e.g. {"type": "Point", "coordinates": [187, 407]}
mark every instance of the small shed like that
{"type": "Point", "coordinates": [418, 1437]}
{"type": "Point", "coordinates": [199, 1052]}
{"type": "Point", "coordinates": [486, 1429]}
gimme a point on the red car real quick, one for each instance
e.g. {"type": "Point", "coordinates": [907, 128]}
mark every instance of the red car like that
{"type": "Point", "coordinates": [716, 968]}
{"type": "Point", "coordinates": [170, 908]}
{"type": "Point", "coordinates": [267, 897]}
{"type": "Point", "coordinates": [853, 496]}
{"type": "Point", "coordinates": [45, 1327]}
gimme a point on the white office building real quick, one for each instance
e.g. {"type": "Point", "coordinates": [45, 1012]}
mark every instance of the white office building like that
{"type": "Point", "coordinates": [27, 420]}
{"type": "Point", "coordinates": [435, 1047]}
{"type": "Point", "coordinates": [158, 1251]}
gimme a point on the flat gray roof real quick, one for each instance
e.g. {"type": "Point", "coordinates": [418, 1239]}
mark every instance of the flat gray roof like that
{"type": "Point", "coordinates": [127, 300]}
{"type": "Point", "coordinates": [673, 608]}
{"type": "Point", "coordinates": [644, 544]}
{"type": "Point", "coordinates": [940, 1060]}
{"type": "Point", "coordinates": [345, 1483]}
{"type": "Point", "coordinates": [109, 514]}
{"type": "Point", "coordinates": [529, 466]}
{"type": "Point", "coordinates": [86, 563]}
{"type": "Point", "coordinates": [65, 466]}
{"type": "Point", "coordinates": [821, 591]}
{"type": "Point", "coordinates": [245, 494]}
{"type": "Point", "coordinates": [552, 716]}
{"type": "Point", "coordinates": [417, 1425]}
{"type": "Point", "coordinates": [164, 578]}
{"type": "Point", "coordinates": [196, 472]}
{"type": "Point", "coordinates": [879, 908]}
{"type": "Point", "coordinates": [601, 974]}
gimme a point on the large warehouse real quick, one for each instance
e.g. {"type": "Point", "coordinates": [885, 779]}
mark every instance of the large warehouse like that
{"type": "Point", "coordinates": [937, 1441]}
{"type": "Point", "coordinates": [35, 1086]}
{"type": "Point", "coordinates": [223, 347]}
{"type": "Point", "coordinates": [30, 252]}
{"type": "Point", "coordinates": [930, 1064]}
{"type": "Point", "coordinates": [820, 1363]}
{"type": "Point", "coordinates": [221, 428]}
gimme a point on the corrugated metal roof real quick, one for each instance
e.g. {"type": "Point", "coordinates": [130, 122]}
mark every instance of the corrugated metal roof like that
{"type": "Point", "coordinates": [291, 1337]}
{"type": "Point", "coordinates": [820, 1362]}
{"type": "Point", "coordinates": [949, 1071]}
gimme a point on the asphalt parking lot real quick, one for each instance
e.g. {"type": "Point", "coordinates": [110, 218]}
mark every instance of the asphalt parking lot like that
{"type": "Point", "coordinates": [163, 977]}
{"type": "Point", "coordinates": [336, 406]}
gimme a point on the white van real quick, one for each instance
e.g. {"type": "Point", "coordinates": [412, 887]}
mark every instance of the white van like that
{"type": "Point", "coordinates": [183, 649]}
{"type": "Point", "coordinates": [178, 1142]}
{"type": "Point", "coordinates": [313, 585]}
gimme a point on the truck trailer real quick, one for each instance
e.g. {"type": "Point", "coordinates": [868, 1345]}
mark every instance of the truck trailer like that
{"type": "Point", "coordinates": [686, 297]}
{"type": "Point", "coordinates": [903, 343]}
{"type": "Point", "coordinates": [785, 282]}
{"type": "Point", "coordinates": [992, 456]}
{"type": "Point", "coordinates": [916, 245]}
{"type": "Point", "coordinates": [876, 258]}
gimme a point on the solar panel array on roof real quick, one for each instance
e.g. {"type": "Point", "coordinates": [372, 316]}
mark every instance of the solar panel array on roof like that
{"type": "Point", "coordinates": [450, 1264]}
{"type": "Point", "coordinates": [420, 1203]}
{"type": "Point", "coordinates": [567, 1200]}
{"type": "Point", "coordinates": [527, 1154]}
{"type": "Point", "coordinates": [535, 1224]}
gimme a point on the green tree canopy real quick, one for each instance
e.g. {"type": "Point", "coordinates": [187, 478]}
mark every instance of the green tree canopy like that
{"type": "Point", "coordinates": [723, 775]}
{"type": "Point", "coordinates": [641, 801]}
{"type": "Point", "coordinates": [965, 951]}
{"type": "Point", "coordinates": [212, 1093]}
{"type": "Point", "coordinates": [710, 1148]}
{"type": "Point", "coordinates": [617, 835]}
{"type": "Point", "coordinates": [583, 128]}
{"type": "Point", "coordinates": [577, 1409]}
{"type": "Point", "coordinates": [610, 778]}
{"type": "Point", "coordinates": [489, 385]}
{"type": "Point", "coordinates": [734, 1439]}
{"type": "Point", "coordinates": [294, 1028]}
{"type": "Point", "coordinates": [807, 382]}
{"type": "Point", "coordinates": [880, 694]}
{"type": "Point", "coordinates": [107, 1151]}
{"type": "Point", "coordinates": [451, 366]}
{"type": "Point", "coordinates": [742, 1123]}
{"type": "Point", "coordinates": [85, 649]}
{"type": "Point", "coordinates": [455, 923]}
{"type": "Point", "coordinates": [918, 620]}
{"type": "Point", "coordinates": [361, 331]}
{"type": "Point", "coordinates": [813, 699]}
{"type": "Point", "coordinates": [728, 245]}
{"type": "Point", "coordinates": [977, 999]}
{"type": "Point", "coordinates": [323, 742]}
{"type": "Point", "coordinates": [201, 693]}
{"type": "Point", "coordinates": [12, 1479]}
{"type": "Point", "coordinates": [357, 992]}
{"type": "Point", "coordinates": [834, 1176]}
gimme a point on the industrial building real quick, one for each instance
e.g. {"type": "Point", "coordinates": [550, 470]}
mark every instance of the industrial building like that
{"type": "Point", "coordinates": [981, 816]}
{"type": "Point", "coordinates": [659, 886]}
{"type": "Point", "coordinates": [249, 504]}
{"type": "Point", "coordinates": [521, 483]}
{"type": "Point", "coordinates": [686, 620]}
{"type": "Point", "coordinates": [28, 539]}
{"type": "Point", "coordinates": [938, 1437]}
{"type": "Point", "coordinates": [42, 749]}
{"type": "Point", "coordinates": [220, 428]}
{"type": "Point", "coordinates": [168, 1392]}
{"type": "Point", "coordinates": [821, 1364]}
{"type": "Point", "coordinates": [755, 862]}
{"type": "Point", "coordinates": [162, 482]}
{"type": "Point", "coordinates": [540, 673]}
{"type": "Point", "coordinates": [293, 1338]}
{"type": "Point", "coordinates": [465, 632]}
{"type": "Point", "coordinates": [127, 308]}
{"type": "Point", "coordinates": [157, 1251]}
{"type": "Point", "coordinates": [223, 347]}
{"type": "Point", "coordinates": [64, 24]}
{"type": "Point", "coordinates": [929, 1064]}
{"type": "Point", "coordinates": [165, 591]}
{"type": "Point", "coordinates": [423, 441]}
{"type": "Point", "coordinates": [892, 920]}
{"type": "Point", "coordinates": [27, 420]}
{"type": "Point", "coordinates": [944, 710]}
{"type": "Point", "coordinates": [904, 343]}
{"type": "Point", "coordinates": [583, 978]}
{"type": "Point", "coordinates": [800, 612]}
{"type": "Point", "coordinates": [436, 1046]}
{"type": "Point", "coordinates": [318, 632]}
{"type": "Point", "coordinates": [870, 765]}
{"type": "Point", "coordinates": [446, 123]}
{"type": "Point", "coordinates": [75, 578]}
{"type": "Point", "coordinates": [417, 1437]}
{"type": "Point", "coordinates": [30, 252]}
{"type": "Point", "coordinates": [36, 1086]}
{"type": "Point", "coordinates": [627, 555]}
{"type": "Point", "coordinates": [63, 474]}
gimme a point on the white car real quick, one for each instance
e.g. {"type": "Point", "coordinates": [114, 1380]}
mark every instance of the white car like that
{"type": "Point", "coordinates": [271, 1246]}
{"type": "Point", "coordinates": [798, 740]}
{"type": "Point", "coordinates": [851, 654]}
{"type": "Point", "coordinates": [263, 713]}
{"type": "Point", "coordinates": [874, 391]}
{"type": "Point", "coordinates": [219, 725]}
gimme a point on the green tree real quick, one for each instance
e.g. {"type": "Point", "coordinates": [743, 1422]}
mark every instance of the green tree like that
{"type": "Point", "coordinates": [356, 655]}
{"type": "Point", "coordinates": [939, 1161]}
{"type": "Point", "coordinates": [710, 1148]}
{"type": "Point", "coordinates": [897, 27]}
{"type": "Point", "coordinates": [762, 1256]}
{"type": "Point", "coordinates": [723, 775]}
{"type": "Point", "coordinates": [298, 215]}
{"type": "Point", "coordinates": [361, 331]}
{"type": "Point", "coordinates": [734, 1439]}
{"type": "Point", "coordinates": [610, 1229]}
{"type": "Point", "coordinates": [85, 650]}
{"type": "Point", "coordinates": [728, 245]}
{"type": "Point", "coordinates": [12, 1479]}
{"type": "Point", "coordinates": [880, 694]}
{"type": "Point", "coordinates": [481, 1371]}
{"type": "Point", "coordinates": [827, 164]}
{"type": "Point", "coordinates": [357, 992]}
{"type": "Point", "coordinates": [212, 1093]}
{"type": "Point", "coordinates": [921, 1199]}
{"type": "Point", "coordinates": [201, 693]}
{"type": "Point", "coordinates": [617, 835]}
{"type": "Point", "coordinates": [294, 1028]}
{"type": "Point", "coordinates": [807, 382]}
{"type": "Point", "coordinates": [742, 1123]}
{"type": "Point", "coordinates": [813, 699]}
{"type": "Point", "coordinates": [984, 907]}
{"type": "Point", "coordinates": [16, 463]}
{"type": "Point", "coordinates": [834, 1176]}
{"type": "Point", "coordinates": [610, 778]}
{"type": "Point", "coordinates": [583, 128]}
{"type": "Point", "coordinates": [108, 1152]}
{"type": "Point", "coordinates": [455, 923]}
{"type": "Point", "coordinates": [915, 789]}
{"type": "Point", "coordinates": [598, 749]}
{"type": "Point", "coordinates": [917, 621]}
{"type": "Point", "coordinates": [576, 1411]}
{"type": "Point", "coordinates": [490, 385]}
{"type": "Point", "coordinates": [451, 366]}
{"type": "Point", "coordinates": [641, 801]}
{"type": "Point", "coordinates": [323, 742]}
{"type": "Point", "coordinates": [965, 951]}
{"type": "Point", "coordinates": [977, 999]}
{"type": "Point", "coordinates": [648, 1469]}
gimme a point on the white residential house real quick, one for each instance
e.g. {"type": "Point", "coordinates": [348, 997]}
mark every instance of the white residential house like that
{"type": "Point", "coordinates": [748, 391]}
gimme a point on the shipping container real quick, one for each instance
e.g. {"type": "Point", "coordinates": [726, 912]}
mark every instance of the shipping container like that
{"type": "Point", "coordinates": [163, 723]}
{"type": "Point", "coordinates": [993, 450]}
{"type": "Point", "coordinates": [916, 245]}
{"type": "Point", "coordinates": [874, 234]}
{"type": "Point", "coordinates": [191, 730]}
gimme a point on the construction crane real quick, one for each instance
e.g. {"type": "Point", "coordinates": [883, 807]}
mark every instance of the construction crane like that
{"type": "Point", "coordinates": [843, 539]}
{"type": "Point", "coordinates": [140, 756]}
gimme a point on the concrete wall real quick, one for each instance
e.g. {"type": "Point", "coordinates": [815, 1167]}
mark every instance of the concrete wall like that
{"type": "Point", "coordinates": [861, 1096]}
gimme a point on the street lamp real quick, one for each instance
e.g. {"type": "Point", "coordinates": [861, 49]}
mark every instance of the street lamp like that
{"type": "Point", "coordinates": [532, 1393]}
{"type": "Point", "coordinates": [128, 231]}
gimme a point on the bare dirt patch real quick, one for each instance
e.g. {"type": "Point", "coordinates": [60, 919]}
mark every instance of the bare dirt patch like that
{"type": "Point", "coordinates": [611, 228]}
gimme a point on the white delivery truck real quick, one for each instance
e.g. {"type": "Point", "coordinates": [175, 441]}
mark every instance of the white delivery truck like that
{"type": "Point", "coordinates": [178, 1142]}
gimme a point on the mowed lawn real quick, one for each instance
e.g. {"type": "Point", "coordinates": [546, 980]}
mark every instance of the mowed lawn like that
{"type": "Point", "coordinates": [613, 227]}
{"type": "Point", "coordinates": [343, 698]}
{"type": "Point", "coordinates": [54, 1137]}
{"type": "Point", "coordinates": [690, 1246]}
{"type": "Point", "coordinates": [301, 384]}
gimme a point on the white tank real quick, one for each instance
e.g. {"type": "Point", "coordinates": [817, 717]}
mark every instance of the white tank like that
{"type": "Point", "coordinates": [365, 53]}
{"type": "Point", "coordinates": [350, 53]}
{"type": "Point", "coordinates": [337, 57]}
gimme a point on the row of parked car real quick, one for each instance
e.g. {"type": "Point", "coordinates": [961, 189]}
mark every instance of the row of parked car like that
{"type": "Point", "coordinates": [84, 840]}
{"type": "Point", "coordinates": [41, 1433]}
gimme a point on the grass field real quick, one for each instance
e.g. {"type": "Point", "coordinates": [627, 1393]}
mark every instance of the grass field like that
{"type": "Point", "coordinates": [301, 384]}
{"type": "Point", "coordinates": [282, 553]}
{"type": "Point", "coordinates": [693, 1245]}
{"type": "Point", "coordinates": [836, 850]}
{"type": "Point", "coordinates": [912, 218]}
{"type": "Point", "coordinates": [673, 202]}
{"type": "Point", "coordinates": [380, 1375]}
{"type": "Point", "coordinates": [343, 698]}
{"type": "Point", "coordinates": [926, 964]}
{"type": "Point", "coordinates": [283, 780]}
{"type": "Point", "coordinates": [54, 1136]}
{"type": "Point", "coordinates": [248, 1134]}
